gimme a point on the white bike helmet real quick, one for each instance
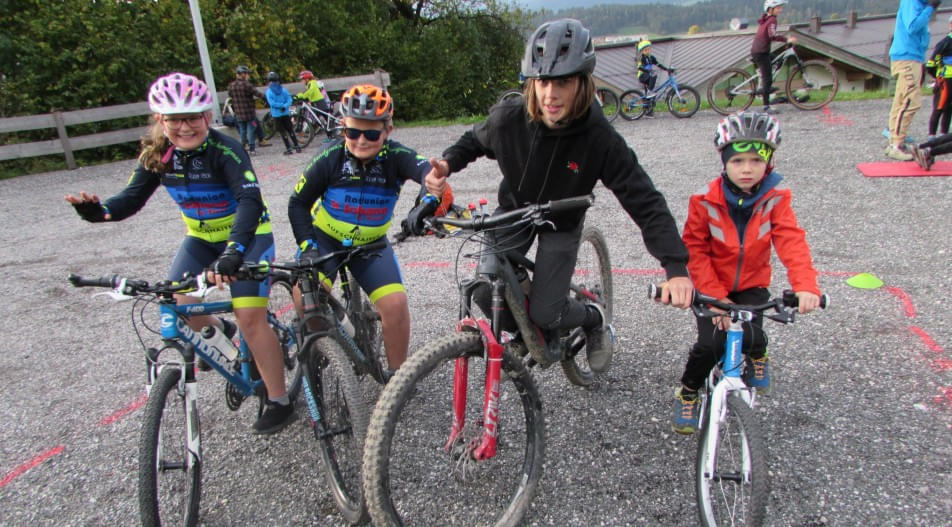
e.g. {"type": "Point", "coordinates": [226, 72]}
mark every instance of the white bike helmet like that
{"type": "Point", "coordinates": [773, 3]}
{"type": "Point", "coordinates": [179, 93]}
{"type": "Point", "coordinates": [747, 127]}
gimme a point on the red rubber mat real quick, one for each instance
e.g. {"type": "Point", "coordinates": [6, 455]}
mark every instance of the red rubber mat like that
{"type": "Point", "coordinates": [904, 169]}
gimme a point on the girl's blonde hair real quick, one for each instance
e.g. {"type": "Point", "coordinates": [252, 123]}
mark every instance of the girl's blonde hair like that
{"type": "Point", "coordinates": [154, 146]}
{"type": "Point", "coordinates": [583, 99]}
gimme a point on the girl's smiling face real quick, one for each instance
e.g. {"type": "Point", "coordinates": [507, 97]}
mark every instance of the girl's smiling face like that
{"type": "Point", "coordinates": [186, 131]}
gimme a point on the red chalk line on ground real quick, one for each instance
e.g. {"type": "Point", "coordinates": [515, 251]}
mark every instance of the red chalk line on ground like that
{"type": "Point", "coordinates": [15, 473]}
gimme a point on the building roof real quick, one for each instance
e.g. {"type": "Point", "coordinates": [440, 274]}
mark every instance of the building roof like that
{"type": "Point", "coordinates": [862, 46]}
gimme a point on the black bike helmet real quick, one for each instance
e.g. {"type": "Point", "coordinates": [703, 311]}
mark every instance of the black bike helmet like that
{"type": "Point", "coordinates": [746, 127]}
{"type": "Point", "coordinates": [559, 49]}
{"type": "Point", "coordinates": [242, 69]}
{"type": "Point", "coordinates": [273, 77]}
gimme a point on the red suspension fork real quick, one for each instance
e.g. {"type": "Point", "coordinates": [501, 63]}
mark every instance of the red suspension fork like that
{"type": "Point", "coordinates": [487, 445]}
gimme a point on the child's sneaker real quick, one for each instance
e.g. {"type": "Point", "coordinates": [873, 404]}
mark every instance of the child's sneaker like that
{"type": "Point", "coordinates": [686, 411]}
{"type": "Point", "coordinates": [922, 156]}
{"type": "Point", "coordinates": [759, 376]}
{"type": "Point", "coordinates": [898, 153]}
{"type": "Point", "coordinates": [599, 343]}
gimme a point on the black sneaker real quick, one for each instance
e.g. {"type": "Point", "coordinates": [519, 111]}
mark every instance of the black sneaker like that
{"type": "Point", "coordinates": [275, 418]}
{"type": "Point", "coordinates": [600, 343]}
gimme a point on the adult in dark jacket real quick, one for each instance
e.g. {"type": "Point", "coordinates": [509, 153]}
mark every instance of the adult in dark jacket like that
{"type": "Point", "coordinates": [555, 143]}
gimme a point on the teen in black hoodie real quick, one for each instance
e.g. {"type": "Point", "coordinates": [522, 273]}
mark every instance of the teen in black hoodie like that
{"type": "Point", "coordinates": [555, 143]}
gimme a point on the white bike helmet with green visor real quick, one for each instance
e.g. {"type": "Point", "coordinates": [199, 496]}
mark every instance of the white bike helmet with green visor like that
{"type": "Point", "coordinates": [773, 3]}
{"type": "Point", "coordinates": [559, 48]}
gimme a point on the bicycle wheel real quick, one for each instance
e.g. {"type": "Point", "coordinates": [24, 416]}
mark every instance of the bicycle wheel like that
{"type": "Point", "coordinates": [282, 319]}
{"type": "Point", "coordinates": [339, 416]}
{"type": "Point", "coordinates": [366, 321]}
{"type": "Point", "coordinates": [170, 471]}
{"type": "Point", "coordinates": [592, 282]}
{"type": "Point", "coordinates": [608, 100]}
{"type": "Point", "coordinates": [303, 128]}
{"type": "Point", "coordinates": [686, 105]}
{"type": "Point", "coordinates": [411, 475]}
{"type": "Point", "coordinates": [731, 90]}
{"type": "Point", "coordinates": [736, 493]}
{"type": "Point", "coordinates": [509, 94]}
{"type": "Point", "coordinates": [812, 85]}
{"type": "Point", "coordinates": [267, 126]}
{"type": "Point", "coordinates": [633, 104]}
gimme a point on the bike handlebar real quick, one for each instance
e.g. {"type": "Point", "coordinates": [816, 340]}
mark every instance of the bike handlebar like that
{"type": "Point", "coordinates": [133, 287]}
{"type": "Point", "coordinates": [783, 305]}
{"type": "Point", "coordinates": [529, 212]}
{"type": "Point", "coordinates": [348, 253]}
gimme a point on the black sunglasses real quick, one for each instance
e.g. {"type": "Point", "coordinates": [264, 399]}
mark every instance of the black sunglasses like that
{"type": "Point", "coordinates": [354, 133]}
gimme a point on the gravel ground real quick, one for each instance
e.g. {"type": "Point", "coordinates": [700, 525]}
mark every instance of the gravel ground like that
{"type": "Point", "coordinates": [859, 424]}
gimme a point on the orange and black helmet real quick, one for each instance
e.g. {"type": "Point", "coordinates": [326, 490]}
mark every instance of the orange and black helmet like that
{"type": "Point", "coordinates": [366, 101]}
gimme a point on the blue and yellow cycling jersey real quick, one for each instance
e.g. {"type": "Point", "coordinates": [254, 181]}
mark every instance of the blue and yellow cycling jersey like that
{"type": "Point", "coordinates": [347, 199]}
{"type": "Point", "coordinates": [214, 186]}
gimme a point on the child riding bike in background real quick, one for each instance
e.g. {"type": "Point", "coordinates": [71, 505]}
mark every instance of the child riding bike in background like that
{"type": "Point", "coordinates": [646, 70]}
{"type": "Point", "coordinates": [347, 195]}
{"type": "Point", "coordinates": [729, 233]}
{"type": "Point", "coordinates": [314, 92]}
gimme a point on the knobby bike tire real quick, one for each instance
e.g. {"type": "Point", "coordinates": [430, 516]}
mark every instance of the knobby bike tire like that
{"type": "Point", "coordinates": [812, 85]}
{"type": "Point", "coordinates": [509, 94]}
{"type": "Point", "coordinates": [169, 490]}
{"type": "Point", "coordinates": [632, 105]}
{"type": "Point", "coordinates": [267, 126]}
{"type": "Point", "coordinates": [282, 318]}
{"type": "Point", "coordinates": [411, 478]}
{"type": "Point", "coordinates": [303, 128]}
{"type": "Point", "coordinates": [366, 320]}
{"type": "Point", "coordinates": [593, 273]}
{"type": "Point", "coordinates": [334, 396]}
{"type": "Point", "coordinates": [608, 100]}
{"type": "Point", "coordinates": [688, 103]}
{"type": "Point", "coordinates": [731, 90]}
{"type": "Point", "coordinates": [722, 499]}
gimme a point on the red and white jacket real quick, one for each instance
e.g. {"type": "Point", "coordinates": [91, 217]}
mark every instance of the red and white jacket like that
{"type": "Point", "coordinates": [719, 265]}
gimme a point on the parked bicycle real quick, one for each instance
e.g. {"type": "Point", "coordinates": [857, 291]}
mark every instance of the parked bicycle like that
{"type": "Point", "coordinates": [731, 471]}
{"type": "Point", "coordinates": [341, 343]}
{"type": "Point", "coordinates": [607, 100]}
{"type": "Point", "coordinates": [682, 100]}
{"type": "Point", "coordinates": [458, 434]}
{"type": "Point", "coordinates": [808, 84]}
{"type": "Point", "coordinates": [267, 122]}
{"type": "Point", "coordinates": [307, 120]}
{"type": "Point", "coordinates": [170, 442]}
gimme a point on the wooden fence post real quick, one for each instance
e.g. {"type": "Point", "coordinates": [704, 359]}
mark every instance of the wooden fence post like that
{"type": "Point", "coordinates": [64, 140]}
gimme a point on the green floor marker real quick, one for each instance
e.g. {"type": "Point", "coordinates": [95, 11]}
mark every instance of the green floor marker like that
{"type": "Point", "coordinates": [865, 281]}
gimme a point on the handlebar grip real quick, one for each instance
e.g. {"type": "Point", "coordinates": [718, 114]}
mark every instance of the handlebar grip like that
{"type": "Point", "coordinates": [824, 301]}
{"type": "Point", "coordinates": [105, 281]}
{"type": "Point", "coordinates": [570, 204]}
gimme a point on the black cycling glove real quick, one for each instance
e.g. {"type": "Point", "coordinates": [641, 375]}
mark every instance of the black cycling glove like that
{"type": "Point", "coordinates": [424, 209]}
{"type": "Point", "coordinates": [310, 256]}
{"type": "Point", "coordinates": [91, 211]}
{"type": "Point", "coordinates": [228, 261]}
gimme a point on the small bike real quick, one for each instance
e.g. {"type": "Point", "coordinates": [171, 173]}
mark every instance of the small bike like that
{"type": "Point", "coordinates": [307, 120]}
{"type": "Point", "coordinates": [458, 434]}
{"type": "Point", "coordinates": [170, 443]}
{"type": "Point", "coordinates": [682, 100]}
{"type": "Point", "coordinates": [731, 471]}
{"type": "Point", "coordinates": [808, 84]}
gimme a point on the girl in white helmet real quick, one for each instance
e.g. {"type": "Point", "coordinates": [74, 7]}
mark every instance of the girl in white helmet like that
{"type": "Point", "coordinates": [760, 48]}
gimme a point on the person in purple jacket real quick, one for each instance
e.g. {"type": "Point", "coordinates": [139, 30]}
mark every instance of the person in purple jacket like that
{"type": "Point", "coordinates": [760, 48]}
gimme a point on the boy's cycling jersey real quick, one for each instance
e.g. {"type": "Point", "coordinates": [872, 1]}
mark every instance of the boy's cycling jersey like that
{"type": "Point", "coordinates": [214, 186]}
{"type": "Point", "coordinates": [348, 199]}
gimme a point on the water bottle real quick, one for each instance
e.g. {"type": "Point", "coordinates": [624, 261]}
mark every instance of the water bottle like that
{"type": "Point", "coordinates": [345, 323]}
{"type": "Point", "coordinates": [216, 339]}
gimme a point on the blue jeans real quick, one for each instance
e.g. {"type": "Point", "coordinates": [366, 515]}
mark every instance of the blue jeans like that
{"type": "Point", "coordinates": [246, 131]}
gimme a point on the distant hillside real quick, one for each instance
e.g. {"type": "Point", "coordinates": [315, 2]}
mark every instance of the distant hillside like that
{"type": "Point", "coordinates": [663, 17]}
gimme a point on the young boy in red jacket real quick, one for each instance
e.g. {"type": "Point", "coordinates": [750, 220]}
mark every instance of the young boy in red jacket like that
{"type": "Point", "coordinates": [729, 232]}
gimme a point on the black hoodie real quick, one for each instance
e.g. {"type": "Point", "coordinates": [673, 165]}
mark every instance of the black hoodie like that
{"type": "Point", "coordinates": [540, 164]}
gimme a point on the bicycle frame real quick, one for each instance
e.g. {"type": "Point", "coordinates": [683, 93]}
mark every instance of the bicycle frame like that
{"type": "Point", "coordinates": [753, 82]}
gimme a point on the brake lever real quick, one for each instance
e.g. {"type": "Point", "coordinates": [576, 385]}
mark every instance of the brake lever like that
{"type": "Point", "coordinates": [118, 293]}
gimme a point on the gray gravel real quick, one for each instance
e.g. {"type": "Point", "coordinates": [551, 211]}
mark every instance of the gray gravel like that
{"type": "Point", "coordinates": [859, 424]}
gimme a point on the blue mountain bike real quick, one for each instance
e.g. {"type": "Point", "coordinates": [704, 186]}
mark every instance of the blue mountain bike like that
{"type": "Point", "coordinates": [682, 100]}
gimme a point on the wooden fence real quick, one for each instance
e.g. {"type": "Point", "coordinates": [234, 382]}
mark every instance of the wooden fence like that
{"type": "Point", "coordinates": [66, 145]}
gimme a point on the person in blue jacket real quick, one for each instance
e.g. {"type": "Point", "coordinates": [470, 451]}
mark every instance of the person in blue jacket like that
{"type": "Point", "coordinates": [907, 55]}
{"type": "Point", "coordinates": [280, 101]}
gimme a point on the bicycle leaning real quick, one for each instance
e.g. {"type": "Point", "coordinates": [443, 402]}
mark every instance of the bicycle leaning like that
{"type": "Point", "coordinates": [808, 84]}
{"type": "Point", "coordinates": [341, 343]}
{"type": "Point", "coordinates": [682, 100]}
{"type": "Point", "coordinates": [731, 468]}
{"type": "Point", "coordinates": [459, 429]}
{"type": "Point", "coordinates": [307, 120]}
{"type": "Point", "coordinates": [170, 442]}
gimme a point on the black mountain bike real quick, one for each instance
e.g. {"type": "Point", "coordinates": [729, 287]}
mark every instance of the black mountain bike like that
{"type": "Point", "coordinates": [458, 435]}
